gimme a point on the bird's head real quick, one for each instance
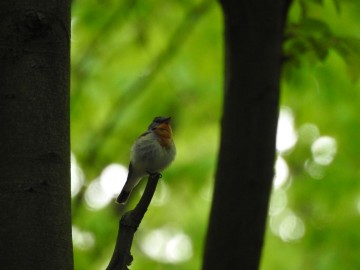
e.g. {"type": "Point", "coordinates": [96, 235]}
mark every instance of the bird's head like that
{"type": "Point", "coordinates": [161, 126]}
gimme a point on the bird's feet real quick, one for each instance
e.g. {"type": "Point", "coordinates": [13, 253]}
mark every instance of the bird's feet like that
{"type": "Point", "coordinates": [155, 174]}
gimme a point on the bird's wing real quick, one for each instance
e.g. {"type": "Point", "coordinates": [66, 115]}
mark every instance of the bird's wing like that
{"type": "Point", "coordinates": [145, 133]}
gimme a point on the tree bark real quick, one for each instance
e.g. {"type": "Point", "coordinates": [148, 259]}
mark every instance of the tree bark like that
{"type": "Point", "coordinates": [253, 39]}
{"type": "Point", "coordinates": [35, 201]}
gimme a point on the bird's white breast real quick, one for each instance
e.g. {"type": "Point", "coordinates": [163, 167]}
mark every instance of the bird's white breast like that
{"type": "Point", "coordinates": [147, 155]}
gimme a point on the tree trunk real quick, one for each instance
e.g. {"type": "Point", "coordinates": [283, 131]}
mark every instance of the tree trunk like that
{"type": "Point", "coordinates": [35, 213]}
{"type": "Point", "coordinates": [253, 38]}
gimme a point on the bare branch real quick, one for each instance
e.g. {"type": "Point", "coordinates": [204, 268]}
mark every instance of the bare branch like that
{"type": "Point", "coordinates": [128, 225]}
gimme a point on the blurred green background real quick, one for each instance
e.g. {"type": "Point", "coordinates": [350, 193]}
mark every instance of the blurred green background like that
{"type": "Point", "coordinates": [133, 60]}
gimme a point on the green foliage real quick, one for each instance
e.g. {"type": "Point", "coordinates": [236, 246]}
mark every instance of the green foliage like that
{"type": "Point", "coordinates": [133, 60]}
{"type": "Point", "coordinates": [321, 87]}
{"type": "Point", "coordinates": [313, 32]}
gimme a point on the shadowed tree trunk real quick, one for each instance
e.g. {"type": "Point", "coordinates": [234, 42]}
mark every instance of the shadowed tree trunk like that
{"type": "Point", "coordinates": [35, 214]}
{"type": "Point", "coordinates": [253, 38]}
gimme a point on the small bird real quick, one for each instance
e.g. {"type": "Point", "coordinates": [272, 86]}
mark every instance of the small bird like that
{"type": "Point", "coordinates": [151, 153]}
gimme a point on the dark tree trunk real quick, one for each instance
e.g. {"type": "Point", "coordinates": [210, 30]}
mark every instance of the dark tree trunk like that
{"type": "Point", "coordinates": [35, 215]}
{"type": "Point", "coordinates": [253, 38]}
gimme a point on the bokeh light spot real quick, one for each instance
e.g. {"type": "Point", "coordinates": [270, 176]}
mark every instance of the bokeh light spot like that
{"type": "Point", "coordinates": [314, 169]}
{"type": "Point", "coordinates": [77, 177]}
{"type": "Point", "coordinates": [286, 225]}
{"type": "Point", "coordinates": [309, 133]}
{"type": "Point", "coordinates": [167, 245]}
{"type": "Point", "coordinates": [83, 240]}
{"type": "Point", "coordinates": [278, 202]}
{"type": "Point", "coordinates": [102, 190]}
{"type": "Point", "coordinates": [291, 228]}
{"type": "Point", "coordinates": [281, 172]}
{"type": "Point", "coordinates": [113, 178]}
{"type": "Point", "coordinates": [286, 136]}
{"type": "Point", "coordinates": [324, 150]}
{"type": "Point", "coordinates": [95, 197]}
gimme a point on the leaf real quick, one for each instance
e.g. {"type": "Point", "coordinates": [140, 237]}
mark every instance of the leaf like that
{"type": "Point", "coordinates": [320, 48]}
{"type": "Point", "coordinates": [309, 36]}
{"type": "Point", "coordinates": [310, 26]}
{"type": "Point", "coordinates": [349, 49]}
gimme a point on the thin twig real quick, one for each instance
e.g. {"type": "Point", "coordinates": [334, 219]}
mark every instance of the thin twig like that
{"type": "Point", "coordinates": [128, 225]}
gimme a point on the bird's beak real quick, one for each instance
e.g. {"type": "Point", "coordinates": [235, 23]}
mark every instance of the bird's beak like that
{"type": "Point", "coordinates": [167, 120]}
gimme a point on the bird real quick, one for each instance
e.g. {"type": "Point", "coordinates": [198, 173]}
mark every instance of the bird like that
{"type": "Point", "coordinates": [151, 153]}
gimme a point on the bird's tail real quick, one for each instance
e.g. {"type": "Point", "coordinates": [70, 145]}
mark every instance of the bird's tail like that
{"type": "Point", "coordinates": [131, 181]}
{"type": "Point", "coordinates": [124, 196]}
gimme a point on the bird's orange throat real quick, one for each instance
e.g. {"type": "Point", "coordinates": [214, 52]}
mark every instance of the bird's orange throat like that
{"type": "Point", "coordinates": [164, 133]}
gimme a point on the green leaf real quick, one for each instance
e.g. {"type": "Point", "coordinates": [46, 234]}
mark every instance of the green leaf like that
{"type": "Point", "coordinates": [310, 26]}
{"type": "Point", "coordinates": [320, 48]}
{"type": "Point", "coordinates": [349, 49]}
